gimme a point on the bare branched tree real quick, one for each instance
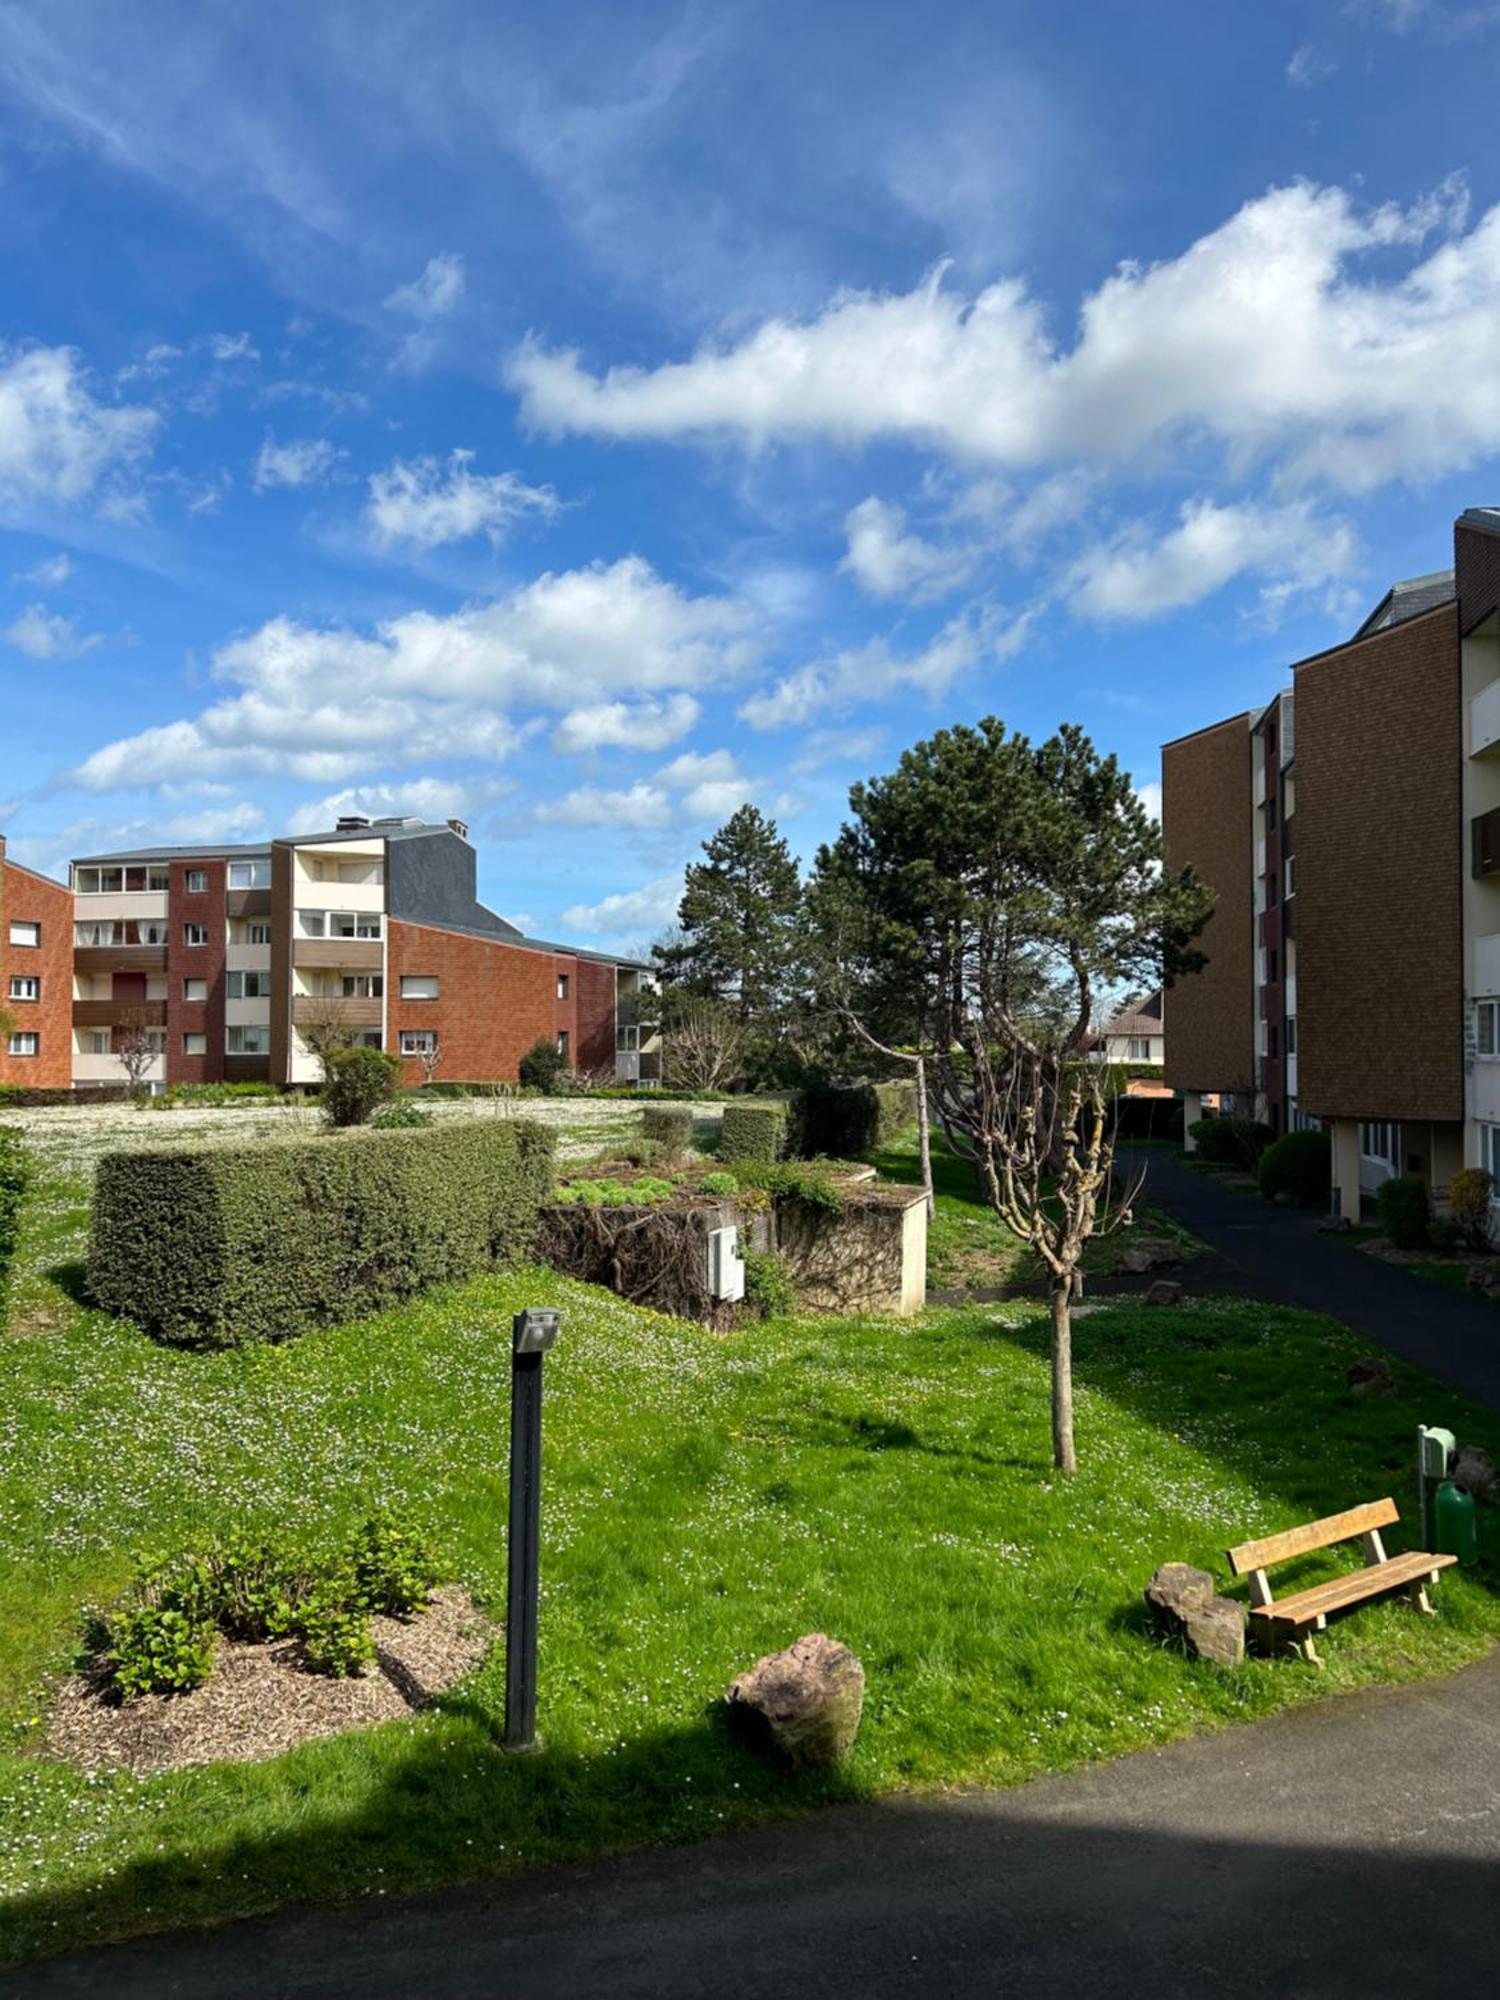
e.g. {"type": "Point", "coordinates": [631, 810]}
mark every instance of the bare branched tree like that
{"type": "Point", "coordinates": [703, 1042]}
{"type": "Point", "coordinates": [325, 1028]}
{"type": "Point", "coordinates": [135, 1045]}
{"type": "Point", "coordinates": [430, 1056]}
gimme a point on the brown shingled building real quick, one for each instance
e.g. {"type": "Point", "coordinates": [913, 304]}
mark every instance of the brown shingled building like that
{"type": "Point", "coordinates": [1352, 830]}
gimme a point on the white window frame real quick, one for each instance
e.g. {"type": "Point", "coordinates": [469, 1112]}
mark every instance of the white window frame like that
{"type": "Point", "coordinates": [258, 932]}
{"type": "Point", "coordinates": [362, 924]}
{"type": "Point", "coordinates": [1487, 1030]}
{"type": "Point", "coordinates": [361, 986]}
{"type": "Point", "coordinates": [190, 998]}
{"type": "Point", "coordinates": [419, 986]}
{"type": "Point", "coordinates": [25, 935]}
{"type": "Point", "coordinates": [196, 883]}
{"type": "Point", "coordinates": [562, 1044]}
{"type": "Point", "coordinates": [261, 1030]}
{"type": "Point", "coordinates": [418, 1041]}
{"type": "Point", "coordinates": [562, 985]}
{"type": "Point", "coordinates": [192, 942]}
{"type": "Point", "coordinates": [25, 987]}
{"type": "Point", "coordinates": [101, 1042]}
{"type": "Point", "coordinates": [258, 987]}
{"type": "Point", "coordinates": [249, 875]}
{"type": "Point", "coordinates": [195, 1043]}
{"type": "Point", "coordinates": [25, 1044]}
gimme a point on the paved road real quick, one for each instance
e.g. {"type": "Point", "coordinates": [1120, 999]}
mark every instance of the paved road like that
{"type": "Point", "coordinates": [1344, 1851]}
{"type": "Point", "coordinates": [1278, 1254]}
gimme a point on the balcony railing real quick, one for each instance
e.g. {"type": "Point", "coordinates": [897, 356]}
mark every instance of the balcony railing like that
{"type": "Point", "coordinates": [96, 958]}
{"type": "Point", "coordinates": [309, 1009]}
{"type": "Point", "coordinates": [119, 1013]}
{"type": "Point", "coordinates": [351, 952]}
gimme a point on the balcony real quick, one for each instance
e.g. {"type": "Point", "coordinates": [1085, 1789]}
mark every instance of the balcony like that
{"type": "Point", "coordinates": [1484, 843]}
{"type": "Point", "coordinates": [309, 1009]}
{"type": "Point", "coordinates": [89, 959]}
{"type": "Point", "coordinates": [247, 903]}
{"type": "Point", "coordinates": [365, 954]}
{"type": "Point", "coordinates": [1484, 721]}
{"type": "Point", "coordinates": [119, 1013]}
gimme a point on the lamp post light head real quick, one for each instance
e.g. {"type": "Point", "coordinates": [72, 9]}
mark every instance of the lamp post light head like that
{"type": "Point", "coordinates": [534, 1330]}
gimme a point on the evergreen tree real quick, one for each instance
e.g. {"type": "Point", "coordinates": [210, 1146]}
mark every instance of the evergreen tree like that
{"type": "Point", "coordinates": [737, 922]}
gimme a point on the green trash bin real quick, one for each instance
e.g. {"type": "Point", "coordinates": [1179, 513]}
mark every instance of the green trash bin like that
{"type": "Point", "coordinates": [1453, 1520]}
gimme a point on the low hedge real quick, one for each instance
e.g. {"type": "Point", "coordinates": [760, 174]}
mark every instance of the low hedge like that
{"type": "Point", "coordinates": [1231, 1142]}
{"type": "Point", "coordinates": [1405, 1209]}
{"type": "Point", "coordinates": [753, 1132]}
{"type": "Point", "coordinates": [14, 1174]}
{"type": "Point", "coordinates": [669, 1126]}
{"type": "Point", "coordinates": [223, 1246]}
{"type": "Point", "coordinates": [845, 1120]}
{"type": "Point", "coordinates": [1298, 1165]}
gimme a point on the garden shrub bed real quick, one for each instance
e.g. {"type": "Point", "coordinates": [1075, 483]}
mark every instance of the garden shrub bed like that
{"type": "Point", "coordinates": [847, 1119]}
{"type": "Point", "coordinates": [14, 1177]}
{"type": "Point", "coordinates": [222, 1246]}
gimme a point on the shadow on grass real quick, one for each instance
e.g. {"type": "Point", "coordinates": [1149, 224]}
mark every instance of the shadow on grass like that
{"type": "Point", "coordinates": [71, 1278]}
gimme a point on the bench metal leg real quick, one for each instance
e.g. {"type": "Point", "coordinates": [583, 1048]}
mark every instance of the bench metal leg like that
{"type": "Point", "coordinates": [1420, 1600]}
{"type": "Point", "coordinates": [1307, 1651]}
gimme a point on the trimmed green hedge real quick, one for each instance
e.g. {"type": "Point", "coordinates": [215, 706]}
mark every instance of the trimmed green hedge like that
{"type": "Point", "coordinates": [669, 1126]}
{"type": "Point", "coordinates": [1298, 1165]}
{"type": "Point", "coordinates": [223, 1246]}
{"type": "Point", "coordinates": [1405, 1209]}
{"type": "Point", "coordinates": [14, 1174]}
{"type": "Point", "coordinates": [753, 1132]}
{"type": "Point", "coordinates": [846, 1120]}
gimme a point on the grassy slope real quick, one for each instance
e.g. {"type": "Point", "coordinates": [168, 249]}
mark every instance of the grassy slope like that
{"type": "Point", "coordinates": [706, 1501]}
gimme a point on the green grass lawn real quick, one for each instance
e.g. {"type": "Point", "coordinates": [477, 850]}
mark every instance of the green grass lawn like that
{"type": "Point", "coordinates": [707, 1499]}
{"type": "Point", "coordinates": [970, 1249]}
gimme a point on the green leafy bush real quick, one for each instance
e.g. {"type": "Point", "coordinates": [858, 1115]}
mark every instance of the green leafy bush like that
{"type": "Point", "coordinates": [357, 1082]}
{"type": "Point", "coordinates": [637, 1152]}
{"type": "Point", "coordinates": [670, 1126]}
{"type": "Point", "coordinates": [1299, 1166]}
{"type": "Point", "coordinates": [335, 1633]}
{"type": "Point", "coordinates": [157, 1649]}
{"type": "Point", "coordinates": [753, 1132]}
{"type": "Point", "coordinates": [813, 1182]}
{"type": "Point", "coordinates": [15, 1175]}
{"type": "Point", "coordinates": [1469, 1195]}
{"type": "Point", "coordinates": [641, 1193]}
{"type": "Point", "coordinates": [1405, 1210]}
{"type": "Point", "coordinates": [220, 1246]}
{"type": "Point", "coordinates": [1232, 1142]}
{"type": "Point", "coordinates": [850, 1119]}
{"type": "Point", "coordinates": [720, 1183]}
{"type": "Point", "coordinates": [768, 1285]}
{"type": "Point", "coordinates": [542, 1065]}
{"type": "Point", "coordinates": [394, 1569]}
{"type": "Point", "coordinates": [400, 1115]}
{"type": "Point", "coordinates": [255, 1588]}
{"type": "Point", "coordinates": [185, 1095]}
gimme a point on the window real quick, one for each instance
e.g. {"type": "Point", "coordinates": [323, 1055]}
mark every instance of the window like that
{"type": "Point", "coordinates": [313, 923]}
{"type": "Point", "coordinates": [249, 874]}
{"type": "Point", "coordinates": [1291, 1034]}
{"type": "Point", "coordinates": [195, 1045]}
{"type": "Point", "coordinates": [562, 1043]}
{"type": "Point", "coordinates": [257, 933]}
{"type": "Point", "coordinates": [26, 934]}
{"type": "Point", "coordinates": [100, 1043]}
{"type": "Point", "coordinates": [628, 1038]}
{"type": "Point", "coordinates": [197, 881]}
{"type": "Point", "coordinates": [362, 986]}
{"type": "Point", "coordinates": [1291, 875]}
{"type": "Point", "coordinates": [25, 986]}
{"type": "Point", "coordinates": [1487, 1027]}
{"type": "Point", "coordinates": [1380, 1139]}
{"type": "Point", "coordinates": [419, 986]}
{"type": "Point", "coordinates": [195, 989]}
{"type": "Point", "coordinates": [1489, 1151]}
{"type": "Point", "coordinates": [148, 932]}
{"type": "Point", "coordinates": [418, 1041]}
{"type": "Point", "coordinates": [249, 1039]}
{"type": "Point", "coordinates": [1271, 813]}
{"type": "Point", "coordinates": [353, 924]}
{"type": "Point", "coordinates": [1138, 1049]}
{"type": "Point", "coordinates": [563, 984]}
{"type": "Point", "coordinates": [25, 1044]}
{"type": "Point", "coordinates": [247, 986]}
{"type": "Point", "coordinates": [195, 934]}
{"type": "Point", "coordinates": [1270, 889]}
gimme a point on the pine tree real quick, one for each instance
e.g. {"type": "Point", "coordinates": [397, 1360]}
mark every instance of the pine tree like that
{"type": "Point", "coordinates": [737, 921]}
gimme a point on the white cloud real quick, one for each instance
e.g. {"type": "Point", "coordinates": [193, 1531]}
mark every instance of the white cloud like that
{"type": "Point", "coordinates": [642, 806]}
{"type": "Point", "coordinates": [696, 786]}
{"type": "Point", "coordinates": [298, 462]}
{"type": "Point", "coordinates": [630, 912]}
{"type": "Point", "coordinates": [323, 703]}
{"type": "Point", "coordinates": [1293, 548]}
{"type": "Point", "coordinates": [50, 574]}
{"type": "Point", "coordinates": [876, 670]}
{"type": "Point", "coordinates": [626, 725]}
{"type": "Point", "coordinates": [427, 503]}
{"type": "Point", "coordinates": [1306, 67]}
{"type": "Point", "coordinates": [1150, 797]}
{"type": "Point", "coordinates": [888, 561]}
{"type": "Point", "coordinates": [1268, 335]}
{"type": "Point", "coordinates": [435, 293]}
{"type": "Point", "coordinates": [58, 443]}
{"type": "Point", "coordinates": [836, 746]}
{"type": "Point", "coordinates": [434, 799]}
{"type": "Point", "coordinates": [232, 347]}
{"type": "Point", "coordinates": [47, 635]}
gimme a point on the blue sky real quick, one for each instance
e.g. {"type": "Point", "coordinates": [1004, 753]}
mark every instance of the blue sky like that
{"type": "Point", "coordinates": [583, 419]}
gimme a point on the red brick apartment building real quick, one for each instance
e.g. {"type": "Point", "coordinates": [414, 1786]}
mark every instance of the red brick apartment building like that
{"type": "Point", "coordinates": [229, 957]}
{"type": "Point", "coordinates": [36, 978]}
{"type": "Point", "coordinates": [1352, 830]}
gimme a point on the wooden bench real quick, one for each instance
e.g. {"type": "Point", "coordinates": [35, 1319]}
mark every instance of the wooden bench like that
{"type": "Point", "coordinates": [1287, 1624]}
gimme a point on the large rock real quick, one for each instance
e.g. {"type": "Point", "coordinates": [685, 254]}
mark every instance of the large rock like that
{"type": "Point", "coordinates": [1149, 1253]}
{"type": "Point", "coordinates": [1182, 1602]}
{"type": "Point", "coordinates": [1164, 1292]}
{"type": "Point", "coordinates": [803, 1703]}
{"type": "Point", "coordinates": [1474, 1470]}
{"type": "Point", "coordinates": [1370, 1377]}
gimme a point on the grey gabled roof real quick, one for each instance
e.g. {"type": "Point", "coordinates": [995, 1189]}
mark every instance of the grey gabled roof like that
{"type": "Point", "coordinates": [1410, 599]}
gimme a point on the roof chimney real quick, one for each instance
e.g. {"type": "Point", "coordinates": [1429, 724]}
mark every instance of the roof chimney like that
{"type": "Point", "coordinates": [460, 827]}
{"type": "Point", "coordinates": [351, 823]}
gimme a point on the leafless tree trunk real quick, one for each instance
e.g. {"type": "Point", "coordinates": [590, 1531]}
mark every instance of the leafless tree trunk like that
{"type": "Point", "coordinates": [324, 1028]}
{"type": "Point", "coordinates": [135, 1046]}
{"type": "Point", "coordinates": [924, 1116]}
{"type": "Point", "coordinates": [431, 1061]}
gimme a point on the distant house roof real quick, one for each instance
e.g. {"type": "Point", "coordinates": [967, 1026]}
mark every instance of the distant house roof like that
{"type": "Point", "coordinates": [1144, 1018]}
{"type": "Point", "coordinates": [1413, 597]}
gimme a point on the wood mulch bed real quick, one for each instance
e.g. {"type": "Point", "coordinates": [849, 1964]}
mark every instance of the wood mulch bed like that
{"type": "Point", "coordinates": [260, 1700]}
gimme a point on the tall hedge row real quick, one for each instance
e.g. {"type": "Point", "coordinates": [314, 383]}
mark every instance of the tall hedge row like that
{"type": "Point", "coordinates": [842, 1121]}
{"type": "Point", "coordinates": [223, 1246]}
{"type": "Point", "coordinates": [753, 1131]}
{"type": "Point", "coordinates": [13, 1178]}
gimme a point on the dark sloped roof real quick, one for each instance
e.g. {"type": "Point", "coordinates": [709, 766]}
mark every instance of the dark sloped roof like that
{"type": "Point", "coordinates": [1487, 518]}
{"type": "Point", "coordinates": [1410, 599]}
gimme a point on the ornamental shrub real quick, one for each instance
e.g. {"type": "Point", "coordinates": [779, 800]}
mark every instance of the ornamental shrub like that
{"type": "Point", "coordinates": [846, 1120]}
{"type": "Point", "coordinates": [1405, 1209]}
{"type": "Point", "coordinates": [15, 1173]}
{"type": "Point", "coordinates": [719, 1183]}
{"type": "Point", "coordinates": [670, 1126]}
{"type": "Point", "coordinates": [221, 1246]}
{"type": "Point", "coordinates": [1232, 1142]}
{"type": "Point", "coordinates": [394, 1569]}
{"type": "Point", "coordinates": [335, 1632]}
{"type": "Point", "coordinates": [542, 1065]}
{"type": "Point", "coordinates": [1299, 1165]}
{"type": "Point", "coordinates": [1469, 1194]}
{"type": "Point", "coordinates": [357, 1082]}
{"type": "Point", "coordinates": [753, 1131]}
{"type": "Point", "coordinates": [400, 1115]}
{"type": "Point", "coordinates": [158, 1650]}
{"type": "Point", "coordinates": [768, 1285]}
{"type": "Point", "coordinates": [812, 1182]}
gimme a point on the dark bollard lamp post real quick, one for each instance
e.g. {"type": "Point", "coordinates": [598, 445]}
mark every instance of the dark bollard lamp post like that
{"type": "Point", "coordinates": [532, 1333]}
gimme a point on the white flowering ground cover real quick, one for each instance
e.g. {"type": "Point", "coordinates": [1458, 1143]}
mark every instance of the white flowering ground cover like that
{"type": "Point", "coordinates": [706, 1501]}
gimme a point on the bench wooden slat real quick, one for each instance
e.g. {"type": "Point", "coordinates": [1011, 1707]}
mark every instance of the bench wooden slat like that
{"type": "Point", "coordinates": [1271, 1549]}
{"type": "Point", "coordinates": [1307, 1606]}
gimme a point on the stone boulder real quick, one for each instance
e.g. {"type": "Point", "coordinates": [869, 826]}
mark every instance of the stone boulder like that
{"type": "Point", "coordinates": [1164, 1292]}
{"type": "Point", "coordinates": [1149, 1253]}
{"type": "Point", "coordinates": [1183, 1604]}
{"type": "Point", "coordinates": [1474, 1470]}
{"type": "Point", "coordinates": [803, 1704]}
{"type": "Point", "coordinates": [1370, 1376]}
